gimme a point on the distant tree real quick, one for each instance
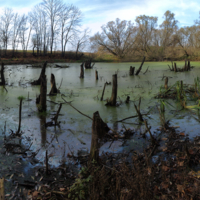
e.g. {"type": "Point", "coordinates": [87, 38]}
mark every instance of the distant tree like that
{"type": "Point", "coordinates": [116, 37]}
{"type": "Point", "coordinates": [6, 26]}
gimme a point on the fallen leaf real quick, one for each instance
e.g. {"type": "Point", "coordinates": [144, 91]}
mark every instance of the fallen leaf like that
{"type": "Point", "coordinates": [35, 194]}
{"type": "Point", "coordinates": [180, 188]}
{"type": "Point", "coordinates": [165, 168]}
{"type": "Point", "coordinates": [164, 185]}
{"type": "Point", "coordinates": [62, 189]}
{"type": "Point", "coordinates": [182, 134]}
{"type": "Point", "coordinates": [181, 164]}
{"type": "Point", "coordinates": [164, 139]}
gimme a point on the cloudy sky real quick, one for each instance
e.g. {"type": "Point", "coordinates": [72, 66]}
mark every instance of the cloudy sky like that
{"type": "Point", "coordinates": [99, 12]}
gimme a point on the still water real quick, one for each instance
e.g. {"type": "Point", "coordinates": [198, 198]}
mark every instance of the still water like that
{"type": "Point", "coordinates": [74, 132]}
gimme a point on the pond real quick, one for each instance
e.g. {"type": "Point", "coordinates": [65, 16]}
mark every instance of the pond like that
{"type": "Point", "coordinates": [75, 129]}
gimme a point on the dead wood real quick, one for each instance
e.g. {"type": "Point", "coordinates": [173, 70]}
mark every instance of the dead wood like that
{"type": "Point", "coordinates": [54, 89]}
{"type": "Point", "coordinates": [146, 70]}
{"type": "Point", "coordinates": [38, 82]}
{"type": "Point", "coordinates": [47, 169]}
{"type": "Point", "coordinates": [153, 140]}
{"type": "Point", "coordinates": [103, 90]}
{"type": "Point", "coordinates": [127, 99]}
{"type": "Point", "coordinates": [20, 111]}
{"type": "Point", "coordinates": [96, 75]}
{"type": "Point", "coordinates": [2, 194]}
{"type": "Point", "coordinates": [3, 82]}
{"type": "Point", "coordinates": [139, 69]}
{"type": "Point", "coordinates": [99, 129]}
{"type": "Point", "coordinates": [113, 99]}
{"type": "Point", "coordinates": [138, 111]}
{"type": "Point", "coordinates": [82, 71]}
{"type": "Point", "coordinates": [131, 71]}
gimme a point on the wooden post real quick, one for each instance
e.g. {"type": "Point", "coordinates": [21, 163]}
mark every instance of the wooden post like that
{"type": "Point", "coordinates": [96, 75]}
{"type": "Point", "coordinates": [3, 82]}
{"type": "Point", "coordinates": [82, 71]}
{"type": "Point", "coordinates": [20, 111]}
{"type": "Point", "coordinates": [99, 129]}
{"type": "Point", "coordinates": [139, 69]}
{"type": "Point", "coordinates": [113, 99]}
{"type": "Point", "coordinates": [43, 94]}
{"type": "Point", "coordinates": [38, 82]}
{"type": "Point", "coordinates": [2, 193]}
{"type": "Point", "coordinates": [166, 83]}
{"type": "Point", "coordinates": [54, 89]}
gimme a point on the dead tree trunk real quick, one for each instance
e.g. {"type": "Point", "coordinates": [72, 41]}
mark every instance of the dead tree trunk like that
{"type": "Point", "coordinates": [166, 83]}
{"type": "Point", "coordinates": [99, 129]}
{"type": "Point", "coordinates": [127, 99]}
{"type": "Point", "coordinates": [54, 89]}
{"type": "Point", "coordinates": [20, 114]}
{"type": "Point", "coordinates": [43, 94]}
{"type": "Point", "coordinates": [3, 82]}
{"type": "Point", "coordinates": [138, 71]}
{"type": "Point", "coordinates": [131, 72]}
{"type": "Point", "coordinates": [38, 82]}
{"type": "Point", "coordinates": [82, 71]}
{"type": "Point", "coordinates": [113, 99]}
{"type": "Point", "coordinates": [96, 75]}
{"type": "Point", "coordinates": [186, 66]}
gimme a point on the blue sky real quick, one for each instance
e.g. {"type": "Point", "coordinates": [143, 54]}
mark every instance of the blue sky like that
{"type": "Point", "coordinates": [99, 12]}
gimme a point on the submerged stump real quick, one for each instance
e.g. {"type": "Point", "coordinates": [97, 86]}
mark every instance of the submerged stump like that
{"type": "Point", "coordinates": [166, 83]}
{"type": "Point", "coordinates": [38, 82]}
{"type": "Point", "coordinates": [54, 89]}
{"type": "Point", "coordinates": [113, 99]}
{"type": "Point", "coordinates": [99, 129]}
{"type": "Point", "coordinates": [82, 71]}
{"type": "Point", "coordinates": [43, 94]}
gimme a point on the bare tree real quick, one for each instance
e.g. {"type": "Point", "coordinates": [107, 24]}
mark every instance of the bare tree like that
{"type": "Point", "coordinates": [81, 41]}
{"type": "Point", "coordinates": [117, 37]}
{"type": "Point", "coordinates": [70, 19]}
{"type": "Point", "coordinates": [52, 9]}
{"type": "Point", "coordinates": [6, 25]}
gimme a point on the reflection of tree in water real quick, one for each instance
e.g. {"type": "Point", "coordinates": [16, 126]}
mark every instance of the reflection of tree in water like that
{"type": "Point", "coordinates": [43, 129]}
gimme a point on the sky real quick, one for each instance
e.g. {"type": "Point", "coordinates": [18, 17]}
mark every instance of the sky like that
{"type": "Point", "coordinates": [98, 12]}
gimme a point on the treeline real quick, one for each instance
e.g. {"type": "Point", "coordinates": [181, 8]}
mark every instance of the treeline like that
{"type": "Point", "coordinates": [129, 41]}
{"type": "Point", "coordinates": [50, 26]}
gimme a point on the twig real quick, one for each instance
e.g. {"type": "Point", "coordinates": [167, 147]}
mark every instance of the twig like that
{"type": "Point", "coordinates": [76, 108]}
{"type": "Point", "coordinates": [60, 84]}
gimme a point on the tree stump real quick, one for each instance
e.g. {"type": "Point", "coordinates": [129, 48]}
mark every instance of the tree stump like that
{"type": "Point", "coordinates": [38, 82]}
{"type": "Point", "coordinates": [82, 71]}
{"type": "Point", "coordinates": [54, 89]}
{"type": "Point", "coordinates": [175, 68]}
{"type": "Point", "coordinates": [166, 83]}
{"type": "Point", "coordinates": [3, 82]}
{"type": "Point", "coordinates": [113, 99]}
{"type": "Point", "coordinates": [127, 99]}
{"type": "Point", "coordinates": [43, 94]}
{"type": "Point", "coordinates": [96, 75]}
{"type": "Point", "coordinates": [131, 71]}
{"type": "Point", "coordinates": [99, 129]}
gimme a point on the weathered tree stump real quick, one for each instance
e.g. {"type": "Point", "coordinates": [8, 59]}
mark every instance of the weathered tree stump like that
{"type": "Point", "coordinates": [139, 69]}
{"type": "Point", "coordinates": [113, 99]}
{"type": "Point", "coordinates": [127, 99]}
{"type": "Point", "coordinates": [54, 89]}
{"type": "Point", "coordinates": [38, 82]}
{"type": "Point", "coordinates": [43, 94]}
{"type": "Point", "coordinates": [3, 82]}
{"type": "Point", "coordinates": [82, 71]}
{"type": "Point", "coordinates": [88, 64]}
{"type": "Point", "coordinates": [175, 68]}
{"type": "Point", "coordinates": [166, 83]}
{"type": "Point", "coordinates": [131, 71]}
{"type": "Point", "coordinates": [96, 75]}
{"type": "Point", "coordinates": [99, 129]}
